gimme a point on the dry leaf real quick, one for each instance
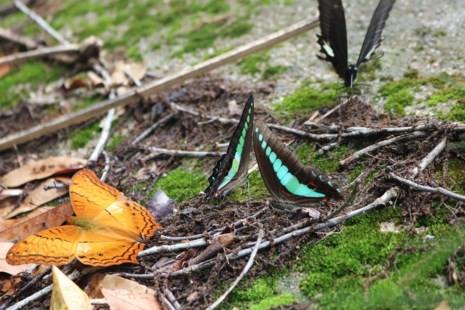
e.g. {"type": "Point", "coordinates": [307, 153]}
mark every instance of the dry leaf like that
{"type": "Point", "coordinates": [137, 70]}
{"type": "Point", "coordinates": [4, 69]}
{"type": "Point", "coordinates": [7, 205]}
{"type": "Point", "coordinates": [113, 282]}
{"type": "Point", "coordinates": [66, 294]}
{"type": "Point", "coordinates": [4, 266]}
{"type": "Point", "coordinates": [41, 169]}
{"type": "Point", "coordinates": [389, 227]}
{"type": "Point", "coordinates": [39, 219]}
{"type": "Point", "coordinates": [123, 300]}
{"type": "Point", "coordinates": [442, 306]}
{"type": "Point", "coordinates": [38, 196]}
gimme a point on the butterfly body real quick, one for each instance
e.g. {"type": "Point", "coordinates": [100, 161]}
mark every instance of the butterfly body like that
{"type": "Point", "coordinates": [333, 37]}
{"type": "Point", "coordinates": [108, 229]}
{"type": "Point", "coordinates": [231, 168]}
{"type": "Point", "coordinates": [291, 184]}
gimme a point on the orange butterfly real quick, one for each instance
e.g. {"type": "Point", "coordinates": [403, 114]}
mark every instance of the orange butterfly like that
{"type": "Point", "coordinates": [108, 229]}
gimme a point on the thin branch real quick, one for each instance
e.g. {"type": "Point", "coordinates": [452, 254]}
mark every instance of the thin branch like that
{"type": "Point", "coordinates": [26, 42]}
{"type": "Point", "coordinates": [429, 158]}
{"type": "Point", "coordinates": [40, 294]}
{"type": "Point", "coordinates": [437, 190]}
{"type": "Point", "coordinates": [333, 110]}
{"type": "Point", "coordinates": [374, 147]}
{"type": "Point", "coordinates": [157, 85]}
{"type": "Point", "coordinates": [221, 120]}
{"type": "Point", "coordinates": [158, 151]}
{"type": "Point", "coordinates": [104, 135]}
{"type": "Point", "coordinates": [39, 53]}
{"type": "Point", "coordinates": [41, 22]}
{"type": "Point", "coordinates": [107, 166]}
{"type": "Point", "coordinates": [243, 273]}
{"type": "Point", "coordinates": [166, 301]}
{"type": "Point", "coordinates": [171, 298]}
{"type": "Point", "coordinates": [175, 247]}
{"type": "Point", "coordinates": [152, 128]}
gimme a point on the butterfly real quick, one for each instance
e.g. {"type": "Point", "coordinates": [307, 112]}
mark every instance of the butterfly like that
{"type": "Point", "coordinates": [231, 168]}
{"type": "Point", "coordinates": [291, 184]}
{"type": "Point", "coordinates": [109, 229]}
{"type": "Point", "coordinates": [333, 38]}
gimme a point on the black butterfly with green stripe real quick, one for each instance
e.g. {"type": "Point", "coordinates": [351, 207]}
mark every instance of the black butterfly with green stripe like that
{"type": "Point", "coordinates": [231, 169]}
{"type": "Point", "coordinates": [333, 37]}
{"type": "Point", "coordinates": [291, 184]}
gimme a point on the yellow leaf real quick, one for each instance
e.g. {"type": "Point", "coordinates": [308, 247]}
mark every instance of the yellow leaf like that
{"type": "Point", "coordinates": [66, 294]}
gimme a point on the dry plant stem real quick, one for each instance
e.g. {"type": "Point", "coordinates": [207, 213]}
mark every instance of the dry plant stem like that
{"type": "Point", "coordinates": [437, 190]}
{"type": "Point", "coordinates": [40, 21]}
{"type": "Point", "coordinates": [243, 273]}
{"type": "Point", "coordinates": [171, 298]}
{"type": "Point", "coordinates": [39, 53]}
{"type": "Point", "coordinates": [167, 303]}
{"type": "Point", "coordinates": [218, 230]}
{"type": "Point", "coordinates": [333, 110]}
{"type": "Point", "coordinates": [152, 128]}
{"type": "Point", "coordinates": [175, 247]}
{"type": "Point", "coordinates": [158, 85]}
{"type": "Point", "coordinates": [39, 294]}
{"type": "Point", "coordinates": [384, 199]}
{"type": "Point", "coordinates": [7, 35]}
{"type": "Point", "coordinates": [106, 168]}
{"type": "Point", "coordinates": [221, 120]}
{"type": "Point", "coordinates": [429, 158]}
{"type": "Point", "coordinates": [157, 151]}
{"type": "Point", "coordinates": [105, 134]}
{"type": "Point", "coordinates": [374, 147]}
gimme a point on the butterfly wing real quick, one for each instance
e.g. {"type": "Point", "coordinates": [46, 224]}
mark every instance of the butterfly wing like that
{"type": "Point", "coordinates": [373, 36]}
{"type": "Point", "coordinates": [90, 196]}
{"type": "Point", "coordinates": [56, 246]}
{"type": "Point", "coordinates": [103, 248]}
{"type": "Point", "coordinates": [129, 219]}
{"type": "Point", "coordinates": [333, 37]}
{"type": "Point", "coordinates": [232, 167]}
{"type": "Point", "coordinates": [287, 180]}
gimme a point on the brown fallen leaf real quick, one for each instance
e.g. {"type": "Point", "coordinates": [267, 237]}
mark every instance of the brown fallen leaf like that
{"type": "Point", "coordinates": [123, 299]}
{"type": "Point", "coordinates": [7, 205]}
{"type": "Point", "coordinates": [39, 219]}
{"type": "Point", "coordinates": [41, 169]}
{"type": "Point", "coordinates": [113, 282]}
{"type": "Point", "coordinates": [4, 266]}
{"type": "Point", "coordinates": [4, 69]}
{"type": "Point", "coordinates": [66, 294]}
{"type": "Point", "coordinates": [38, 196]}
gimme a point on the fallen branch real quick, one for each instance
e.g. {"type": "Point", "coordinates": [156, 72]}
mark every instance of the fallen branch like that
{"type": "Point", "coordinates": [40, 53]}
{"type": "Point", "coordinates": [175, 247]}
{"type": "Point", "coordinates": [157, 151]}
{"type": "Point", "coordinates": [26, 42]}
{"type": "Point", "coordinates": [333, 110]}
{"type": "Point", "coordinates": [158, 85]}
{"type": "Point", "coordinates": [171, 298]}
{"type": "Point", "coordinates": [243, 273]}
{"type": "Point", "coordinates": [429, 158]}
{"type": "Point", "coordinates": [418, 187]}
{"type": "Point", "coordinates": [104, 135]}
{"type": "Point", "coordinates": [374, 147]}
{"type": "Point", "coordinates": [221, 120]}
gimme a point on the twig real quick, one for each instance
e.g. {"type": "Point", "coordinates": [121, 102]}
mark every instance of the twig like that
{"type": "Point", "coordinates": [39, 53]}
{"type": "Point", "coordinates": [333, 109]}
{"type": "Point", "coordinates": [429, 158]}
{"type": "Point", "coordinates": [158, 85]}
{"type": "Point", "coordinates": [104, 135]}
{"type": "Point", "coordinates": [39, 294]}
{"type": "Point", "coordinates": [41, 22]}
{"type": "Point", "coordinates": [107, 166]}
{"type": "Point", "coordinates": [221, 120]}
{"type": "Point", "coordinates": [171, 298]}
{"type": "Point", "coordinates": [236, 224]}
{"type": "Point", "coordinates": [26, 42]}
{"type": "Point", "coordinates": [152, 128]}
{"type": "Point", "coordinates": [243, 273]}
{"type": "Point", "coordinates": [373, 147]}
{"type": "Point", "coordinates": [175, 247]}
{"type": "Point", "coordinates": [437, 190]}
{"type": "Point", "coordinates": [167, 303]}
{"type": "Point", "coordinates": [157, 151]}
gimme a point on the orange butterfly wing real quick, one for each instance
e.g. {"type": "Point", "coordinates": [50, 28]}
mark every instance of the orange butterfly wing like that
{"type": "Point", "coordinates": [90, 196]}
{"type": "Point", "coordinates": [56, 246]}
{"type": "Point", "coordinates": [109, 229]}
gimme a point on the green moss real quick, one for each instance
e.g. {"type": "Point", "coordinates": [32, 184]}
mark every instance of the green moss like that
{"type": "Point", "coordinates": [82, 137]}
{"type": "Point", "coordinates": [392, 88]}
{"type": "Point", "coordinates": [398, 101]}
{"type": "Point", "coordinates": [253, 64]}
{"type": "Point", "coordinates": [30, 73]}
{"type": "Point", "coordinates": [306, 99]}
{"type": "Point", "coordinates": [329, 163]}
{"type": "Point", "coordinates": [439, 33]}
{"type": "Point", "coordinates": [274, 301]}
{"type": "Point", "coordinates": [85, 103]}
{"type": "Point", "coordinates": [253, 189]}
{"type": "Point", "coordinates": [272, 71]}
{"type": "Point", "coordinates": [180, 184]}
